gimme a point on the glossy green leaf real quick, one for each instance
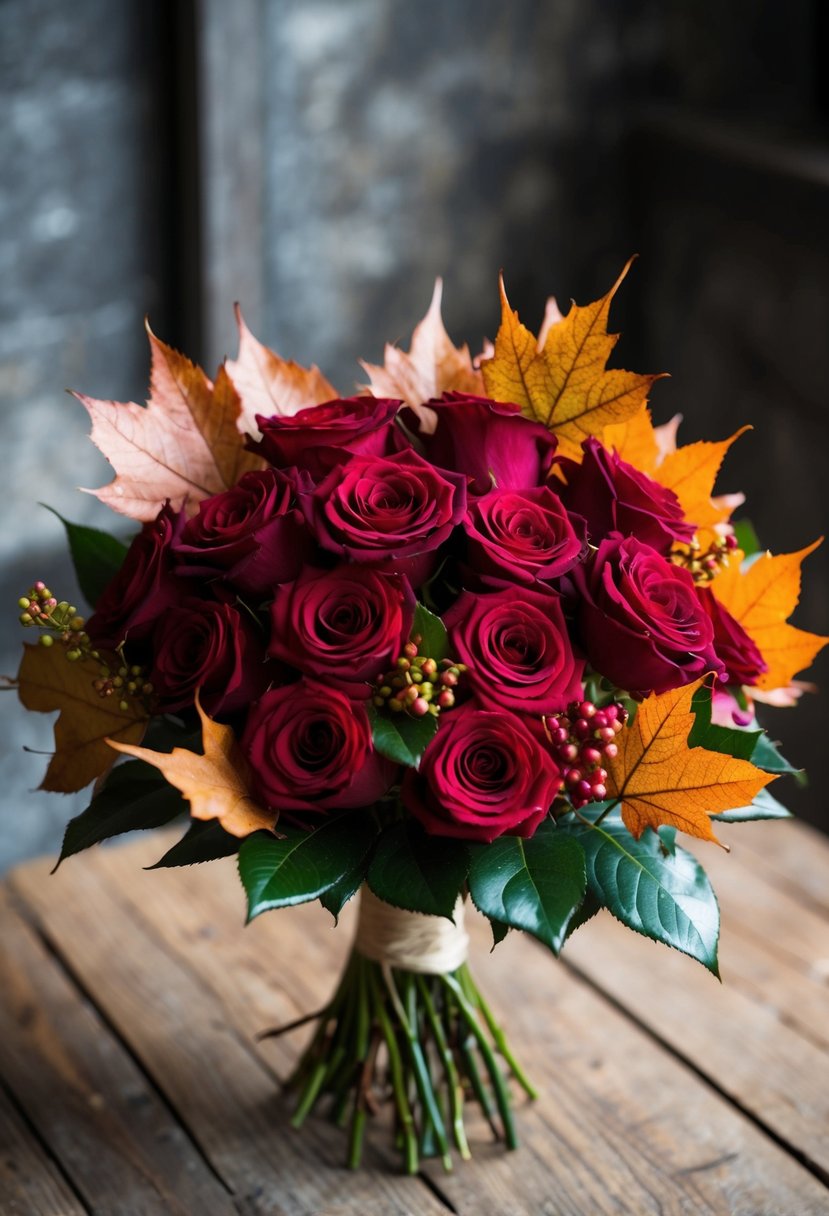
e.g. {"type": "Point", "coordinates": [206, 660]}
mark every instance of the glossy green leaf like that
{"type": "Point", "coordinates": [337, 896]}
{"type": "Point", "coordinates": [664, 896]}
{"type": "Point", "coordinates": [536, 884]}
{"type": "Point", "coordinates": [764, 806]}
{"type": "Point", "coordinates": [728, 740]}
{"type": "Point", "coordinates": [204, 840]}
{"type": "Point", "coordinates": [766, 755]}
{"type": "Point", "coordinates": [400, 737]}
{"type": "Point", "coordinates": [135, 796]}
{"type": "Point", "coordinates": [418, 872]}
{"type": "Point", "coordinates": [747, 538]}
{"type": "Point", "coordinates": [434, 640]}
{"type": "Point", "coordinates": [96, 556]}
{"type": "Point", "coordinates": [303, 865]}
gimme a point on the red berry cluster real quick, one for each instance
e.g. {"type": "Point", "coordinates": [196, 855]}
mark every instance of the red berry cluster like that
{"type": "Point", "coordinates": [582, 736]}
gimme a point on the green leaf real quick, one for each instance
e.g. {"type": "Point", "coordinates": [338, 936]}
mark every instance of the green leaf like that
{"type": "Point", "coordinates": [667, 838]}
{"type": "Point", "coordinates": [135, 796]}
{"type": "Point", "coordinates": [434, 640]}
{"type": "Point", "coordinates": [400, 737]}
{"type": "Point", "coordinates": [204, 840]}
{"type": "Point", "coordinates": [766, 755]}
{"type": "Point", "coordinates": [747, 538]}
{"type": "Point", "coordinates": [499, 931]}
{"type": "Point", "coordinates": [336, 897]}
{"type": "Point", "coordinates": [728, 740]}
{"type": "Point", "coordinates": [303, 865]}
{"type": "Point", "coordinates": [96, 555]}
{"type": "Point", "coordinates": [764, 806]}
{"type": "Point", "coordinates": [534, 884]}
{"type": "Point", "coordinates": [418, 872]}
{"type": "Point", "coordinates": [668, 898]}
{"type": "Point", "coordinates": [589, 907]}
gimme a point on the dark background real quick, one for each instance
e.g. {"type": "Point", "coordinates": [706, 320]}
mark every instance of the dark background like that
{"type": "Point", "coordinates": [323, 161]}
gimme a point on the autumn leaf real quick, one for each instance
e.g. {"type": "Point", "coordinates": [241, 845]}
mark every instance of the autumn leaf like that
{"type": "Point", "coordinates": [691, 471]}
{"type": "Point", "coordinates": [659, 779]}
{"type": "Point", "coordinates": [184, 445]}
{"type": "Point", "coordinates": [431, 367]}
{"type": "Point", "coordinates": [268, 384]}
{"type": "Point", "coordinates": [634, 441]}
{"type": "Point", "coordinates": [47, 681]}
{"type": "Point", "coordinates": [565, 385]}
{"type": "Point", "coordinates": [761, 598]}
{"type": "Point", "coordinates": [217, 784]}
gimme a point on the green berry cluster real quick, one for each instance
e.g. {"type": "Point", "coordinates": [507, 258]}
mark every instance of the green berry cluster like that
{"type": "Point", "coordinates": [418, 685]}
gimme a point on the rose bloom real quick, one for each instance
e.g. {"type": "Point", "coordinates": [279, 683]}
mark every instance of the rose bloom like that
{"type": "Point", "coordinates": [253, 535]}
{"type": "Point", "coordinates": [483, 775]}
{"type": "Point", "coordinates": [517, 649]}
{"type": "Point", "coordinates": [313, 438]}
{"type": "Point", "coordinates": [387, 510]}
{"type": "Point", "coordinates": [309, 748]}
{"type": "Point", "coordinates": [739, 655]}
{"type": "Point", "coordinates": [521, 536]}
{"type": "Point", "coordinates": [613, 496]}
{"type": "Point", "coordinates": [343, 625]}
{"type": "Point", "coordinates": [490, 441]}
{"type": "Point", "coordinates": [640, 619]}
{"type": "Point", "coordinates": [142, 589]}
{"type": "Point", "coordinates": [209, 646]}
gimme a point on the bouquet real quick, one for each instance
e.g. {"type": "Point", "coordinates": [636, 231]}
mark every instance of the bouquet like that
{"type": "Point", "coordinates": [481, 632]}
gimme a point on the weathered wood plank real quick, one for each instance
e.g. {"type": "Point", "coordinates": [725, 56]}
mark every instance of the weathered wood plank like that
{"type": "Point", "coordinates": [210, 1074]}
{"type": "Point", "coordinates": [122, 1148]}
{"type": "Point", "coordinates": [790, 855]}
{"type": "Point", "coordinates": [619, 1128]}
{"type": "Point", "coordinates": [30, 1184]}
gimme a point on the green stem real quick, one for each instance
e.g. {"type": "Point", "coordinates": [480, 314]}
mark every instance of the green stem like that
{"type": "Point", "coordinates": [452, 1079]}
{"type": "Point", "coordinates": [398, 1085]}
{"type": "Point", "coordinates": [498, 1036]}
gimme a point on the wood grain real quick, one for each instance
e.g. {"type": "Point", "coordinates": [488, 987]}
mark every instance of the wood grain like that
{"type": "Point", "coordinates": [29, 1180]}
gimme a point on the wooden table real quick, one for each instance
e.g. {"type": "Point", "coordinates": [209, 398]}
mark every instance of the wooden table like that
{"type": "Point", "coordinates": [132, 1081]}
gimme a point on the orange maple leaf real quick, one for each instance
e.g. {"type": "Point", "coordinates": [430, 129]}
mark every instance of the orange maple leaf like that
{"type": "Point", "coordinates": [565, 384]}
{"type": "Point", "coordinates": [432, 366]}
{"type": "Point", "coordinates": [47, 681]}
{"type": "Point", "coordinates": [659, 779]}
{"type": "Point", "coordinates": [761, 598]}
{"type": "Point", "coordinates": [268, 384]}
{"type": "Point", "coordinates": [691, 471]}
{"type": "Point", "coordinates": [634, 440]}
{"type": "Point", "coordinates": [184, 445]}
{"type": "Point", "coordinates": [217, 784]}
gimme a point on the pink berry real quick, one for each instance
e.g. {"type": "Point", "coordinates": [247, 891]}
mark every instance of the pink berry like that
{"type": "Point", "coordinates": [572, 777]}
{"type": "Point", "coordinates": [581, 728]}
{"type": "Point", "coordinates": [584, 790]}
{"type": "Point", "coordinates": [611, 750]}
{"type": "Point", "coordinates": [559, 735]}
{"type": "Point", "coordinates": [568, 752]}
{"type": "Point", "coordinates": [553, 724]}
{"type": "Point", "coordinates": [591, 755]}
{"type": "Point", "coordinates": [605, 733]}
{"type": "Point", "coordinates": [587, 709]}
{"type": "Point", "coordinates": [611, 712]}
{"type": "Point", "coordinates": [599, 792]}
{"type": "Point", "coordinates": [420, 707]}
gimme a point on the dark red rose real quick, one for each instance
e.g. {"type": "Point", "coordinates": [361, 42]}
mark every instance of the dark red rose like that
{"type": "Point", "coordinates": [739, 655]}
{"type": "Point", "coordinates": [613, 496]}
{"type": "Point", "coordinates": [309, 748]}
{"type": "Point", "coordinates": [483, 775]}
{"type": "Point", "coordinates": [516, 647]}
{"type": "Point", "coordinates": [640, 619]}
{"type": "Point", "coordinates": [521, 536]}
{"type": "Point", "coordinates": [314, 438]}
{"type": "Point", "coordinates": [210, 646]}
{"type": "Point", "coordinates": [253, 536]}
{"type": "Point", "coordinates": [388, 511]}
{"type": "Point", "coordinates": [143, 587]}
{"type": "Point", "coordinates": [490, 441]}
{"type": "Point", "coordinates": [344, 626]}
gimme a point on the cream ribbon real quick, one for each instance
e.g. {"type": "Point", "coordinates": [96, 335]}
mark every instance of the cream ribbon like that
{"type": "Point", "coordinates": [410, 941]}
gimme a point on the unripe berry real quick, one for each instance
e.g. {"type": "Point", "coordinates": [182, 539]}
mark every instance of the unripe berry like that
{"type": "Point", "coordinates": [410, 650]}
{"type": "Point", "coordinates": [446, 699]}
{"type": "Point", "coordinates": [429, 667]}
{"type": "Point", "coordinates": [46, 639]}
{"type": "Point", "coordinates": [420, 707]}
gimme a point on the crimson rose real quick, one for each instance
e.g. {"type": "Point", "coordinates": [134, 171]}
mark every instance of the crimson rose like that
{"type": "Point", "coordinates": [143, 587]}
{"type": "Point", "coordinates": [521, 536]}
{"type": "Point", "coordinates": [210, 646]}
{"type": "Point", "coordinates": [252, 535]}
{"type": "Point", "coordinates": [309, 748]}
{"type": "Point", "coordinates": [640, 618]}
{"type": "Point", "coordinates": [613, 496]}
{"type": "Point", "coordinates": [387, 510]}
{"type": "Point", "coordinates": [483, 775]}
{"type": "Point", "coordinates": [343, 625]}
{"type": "Point", "coordinates": [312, 438]}
{"type": "Point", "coordinates": [737, 652]}
{"type": "Point", "coordinates": [489, 441]}
{"type": "Point", "coordinates": [516, 647]}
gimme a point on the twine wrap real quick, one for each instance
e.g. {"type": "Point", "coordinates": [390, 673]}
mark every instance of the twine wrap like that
{"type": "Point", "coordinates": [410, 941]}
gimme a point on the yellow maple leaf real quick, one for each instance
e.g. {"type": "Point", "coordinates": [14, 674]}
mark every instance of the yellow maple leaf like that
{"type": "Point", "coordinates": [761, 598]}
{"type": "Point", "coordinates": [565, 384]}
{"type": "Point", "coordinates": [268, 384]}
{"type": "Point", "coordinates": [47, 681]}
{"type": "Point", "coordinates": [432, 366]}
{"type": "Point", "coordinates": [634, 441]}
{"type": "Point", "coordinates": [659, 779]}
{"type": "Point", "coordinates": [184, 445]}
{"type": "Point", "coordinates": [217, 784]}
